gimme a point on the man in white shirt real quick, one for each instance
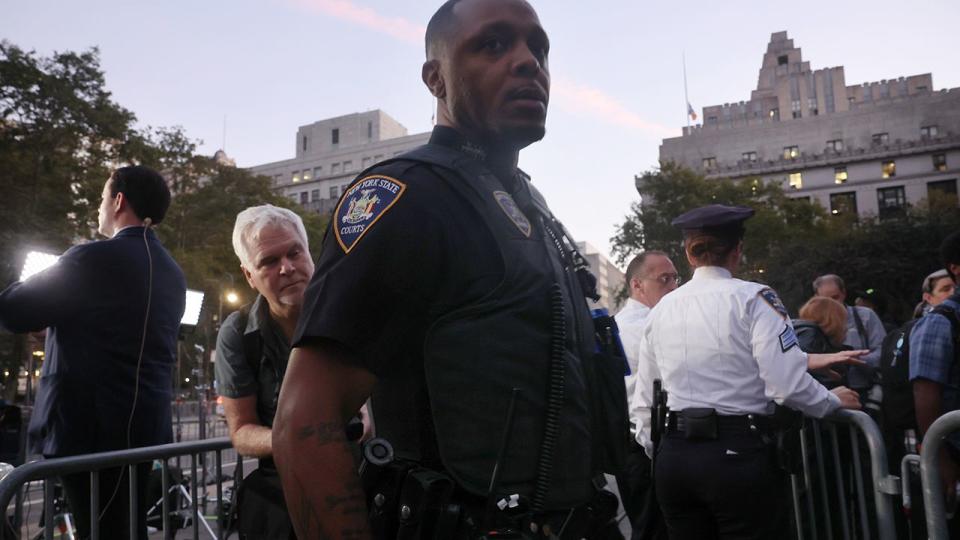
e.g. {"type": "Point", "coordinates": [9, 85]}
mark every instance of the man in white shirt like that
{"type": "Point", "coordinates": [650, 276]}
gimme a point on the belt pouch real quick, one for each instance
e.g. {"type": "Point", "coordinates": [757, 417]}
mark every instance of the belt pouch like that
{"type": "Point", "coordinates": [700, 423]}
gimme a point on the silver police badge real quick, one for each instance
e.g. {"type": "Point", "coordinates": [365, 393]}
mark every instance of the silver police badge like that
{"type": "Point", "coordinates": [513, 212]}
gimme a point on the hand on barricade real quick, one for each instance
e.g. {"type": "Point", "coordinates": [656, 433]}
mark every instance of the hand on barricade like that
{"type": "Point", "coordinates": [849, 399]}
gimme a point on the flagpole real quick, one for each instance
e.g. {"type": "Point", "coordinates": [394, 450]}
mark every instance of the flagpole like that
{"type": "Point", "coordinates": [686, 98]}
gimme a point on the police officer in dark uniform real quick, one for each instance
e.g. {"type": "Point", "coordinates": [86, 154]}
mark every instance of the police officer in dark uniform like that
{"type": "Point", "coordinates": [727, 354]}
{"type": "Point", "coordinates": [447, 290]}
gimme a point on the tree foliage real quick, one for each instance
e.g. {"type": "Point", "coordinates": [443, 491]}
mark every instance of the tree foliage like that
{"type": "Point", "coordinates": [61, 134]}
{"type": "Point", "coordinates": [791, 241]}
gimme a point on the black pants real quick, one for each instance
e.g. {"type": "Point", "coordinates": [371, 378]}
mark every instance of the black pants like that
{"type": "Point", "coordinates": [114, 522]}
{"type": "Point", "coordinates": [725, 488]}
{"type": "Point", "coordinates": [639, 498]}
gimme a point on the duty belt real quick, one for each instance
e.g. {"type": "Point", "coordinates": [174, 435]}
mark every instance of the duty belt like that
{"type": "Point", "coordinates": [678, 422]}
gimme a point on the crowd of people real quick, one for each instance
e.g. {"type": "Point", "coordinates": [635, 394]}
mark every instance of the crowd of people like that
{"type": "Point", "coordinates": [436, 372]}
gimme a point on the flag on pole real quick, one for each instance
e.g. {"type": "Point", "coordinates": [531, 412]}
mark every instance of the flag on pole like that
{"type": "Point", "coordinates": [691, 112]}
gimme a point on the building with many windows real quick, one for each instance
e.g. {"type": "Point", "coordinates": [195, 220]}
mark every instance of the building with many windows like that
{"type": "Point", "coordinates": [609, 278]}
{"type": "Point", "coordinates": [331, 152]}
{"type": "Point", "coordinates": [868, 148]}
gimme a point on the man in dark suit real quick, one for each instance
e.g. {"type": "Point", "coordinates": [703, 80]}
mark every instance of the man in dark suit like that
{"type": "Point", "coordinates": [112, 309]}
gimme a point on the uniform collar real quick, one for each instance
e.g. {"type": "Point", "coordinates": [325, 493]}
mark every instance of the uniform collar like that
{"type": "Point", "coordinates": [711, 272]}
{"type": "Point", "coordinates": [635, 305]}
{"type": "Point", "coordinates": [498, 160]}
{"type": "Point", "coordinates": [133, 230]}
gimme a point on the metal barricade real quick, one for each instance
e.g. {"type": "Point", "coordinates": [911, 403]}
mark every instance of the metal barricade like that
{"type": "Point", "coordinates": [822, 486]}
{"type": "Point", "coordinates": [47, 469]}
{"type": "Point", "coordinates": [933, 498]}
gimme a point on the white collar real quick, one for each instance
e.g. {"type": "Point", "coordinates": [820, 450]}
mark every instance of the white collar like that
{"type": "Point", "coordinates": [711, 272]}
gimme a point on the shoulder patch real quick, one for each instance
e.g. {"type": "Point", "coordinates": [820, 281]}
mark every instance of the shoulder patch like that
{"type": "Point", "coordinates": [788, 339]}
{"type": "Point", "coordinates": [510, 208]}
{"type": "Point", "coordinates": [364, 203]}
{"type": "Point", "coordinates": [770, 296]}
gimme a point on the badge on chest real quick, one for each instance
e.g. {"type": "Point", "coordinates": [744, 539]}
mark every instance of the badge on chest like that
{"type": "Point", "coordinates": [510, 208]}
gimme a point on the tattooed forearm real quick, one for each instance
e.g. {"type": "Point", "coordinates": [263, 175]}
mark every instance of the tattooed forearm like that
{"type": "Point", "coordinates": [308, 521]}
{"type": "Point", "coordinates": [325, 433]}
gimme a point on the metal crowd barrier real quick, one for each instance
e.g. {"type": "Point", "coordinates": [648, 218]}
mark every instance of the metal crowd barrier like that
{"type": "Point", "coordinates": [933, 498]}
{"type": "Point", "coordinates": [48, 469]}
{"type": "Point", "coordinates": [826, 484]}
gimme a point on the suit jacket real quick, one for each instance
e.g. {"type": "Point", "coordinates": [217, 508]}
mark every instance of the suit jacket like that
{"type": "Point", "coordinates": [94, 302]}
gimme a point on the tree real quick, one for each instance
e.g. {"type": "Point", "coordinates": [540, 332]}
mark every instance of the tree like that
{"type": "Point", "coordinates": [792, 241]}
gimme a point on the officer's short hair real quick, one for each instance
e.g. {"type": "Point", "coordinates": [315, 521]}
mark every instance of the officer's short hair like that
{"type": "Point", "coordinates": [145, 190]}
{"type": "Point", "coordinates": [950, 252]}
{"type": "Point", "coordinates": [712, 247]}
{"type": "Point", "coordinates": [829, 278]}
{"type": "Point", "coordinates": [252, 220]}
{"type": "Point", "coordinates": [441, 26]}
{"type": "Point", "coordinates": [636, 265]}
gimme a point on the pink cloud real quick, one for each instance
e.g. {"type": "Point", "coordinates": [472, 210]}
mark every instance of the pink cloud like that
{"type": "Point", "coordinates": [396, 27]}
{"type": "Point", "coordinates": [579, 98]}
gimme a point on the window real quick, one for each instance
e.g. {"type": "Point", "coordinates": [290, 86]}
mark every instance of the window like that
{"type": "Point", "coordinates": [366, 162]}
{"type": "Point", "coordinates": [812, 106]}
{"type": "Point", "coordinates": [888, 169]}
{"type": "Point", "coordinates": [369, 130]}
{"type": "Point", "coordinates": [774, 114]}
{"type": "Point", "coordinates": [943, 190]}
{"type": "Point", "coordinates": [335, 168]}
{"type": "Point", "coordinates": [709, 163]}
{"type": "Point", "coordinates": [334, 192]}
{"type": "Point", "coordinates": [929, 132]}
{"type": "Point", "coordinates": [851, 100]}
{"type": "Point", "coordinates": [304, 144]}
{"type": "Point", "coordinates": [782, 60]}
{"type": "Point", "coordinates": [844, 203]}
{"type": "Point", "coordinates": [347, 165]}
{"type": "Point", "coordinates": [891, 201]}
{"type": "Point", "coordinates": [796, 180]}
{"type": "Point", "coordinates": [307, 175]}
{"type": "Point", "coordinates": [296, 176]}
{"type": "Point", "coordinates": [940, 162]}
{"type": "Point", "coordinates": [379, 158]}
{"type": "Point", "coordinates": [335, 136]}
{"type": "Point", "coordinates": [880, 138]}
{"type": "Point", "coordinates": [791, 152]}
{"type": "Point", "coordinates": [840, 175]}
{"type": "Point", "coordinates": [317, 172]}
{"type": "Point", "coordinates": [749, 157]}
{"type": "Point", "coordinates": [835, 145]}
{"type": "Point", "coordinates": [294, 196]}
{"type": "Point", "coordinates": [314, 195]}
{"type": "Point", "coordinates": [711, 120]}
{"type": "Point", "coordinates": [795, 108]}
{"type": "Point", "coordinates": [303, 197]}
{"type": "Point", "coordinates": [922, 88]}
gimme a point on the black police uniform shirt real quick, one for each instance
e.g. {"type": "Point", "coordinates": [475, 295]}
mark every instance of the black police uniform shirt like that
{"type": "Point", "coordinates": [421, 252]}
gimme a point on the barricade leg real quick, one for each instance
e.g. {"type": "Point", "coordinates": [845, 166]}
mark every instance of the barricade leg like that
{"type": "Point", "coordinates": [95, 505]}
{"type": "Point", "coordinates": [805, 456]}
{"type": "Point", "coordinates": [822, 475]}
{"type": "Point", "coordinates": [838, 467]}
{"type": "Point", "coordinates": [165, 501]}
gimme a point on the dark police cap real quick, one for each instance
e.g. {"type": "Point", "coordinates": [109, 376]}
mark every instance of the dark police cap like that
{"type": "Point", "coordinates": [713, 216]}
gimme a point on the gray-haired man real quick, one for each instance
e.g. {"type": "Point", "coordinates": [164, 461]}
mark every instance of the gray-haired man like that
{"type": "Point", "coordinates": [252, 351]}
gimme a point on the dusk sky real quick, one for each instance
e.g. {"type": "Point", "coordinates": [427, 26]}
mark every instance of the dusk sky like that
{"type": "Point", "coordinates": [270, 66]}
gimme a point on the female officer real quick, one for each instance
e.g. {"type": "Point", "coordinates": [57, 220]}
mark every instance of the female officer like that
{"type": "Point", "coordinates": [726, 353]}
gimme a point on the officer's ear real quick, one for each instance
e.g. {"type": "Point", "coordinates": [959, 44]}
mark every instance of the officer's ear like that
{"type": "Point", "coordinates": [433, 78]}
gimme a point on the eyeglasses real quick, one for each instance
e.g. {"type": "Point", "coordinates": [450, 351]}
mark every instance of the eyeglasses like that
{"type": "Point", "coordinates": [667, 278]}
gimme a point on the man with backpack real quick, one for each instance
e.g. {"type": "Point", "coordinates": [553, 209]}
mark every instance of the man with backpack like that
{"type": "Point", "coordinates": [934, 351]}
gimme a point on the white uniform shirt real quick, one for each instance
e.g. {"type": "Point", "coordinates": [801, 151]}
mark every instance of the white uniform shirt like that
{"type": "Point", "coordinates": [631, 320]}
{"type": "Point", "coordinates": [727, 344]}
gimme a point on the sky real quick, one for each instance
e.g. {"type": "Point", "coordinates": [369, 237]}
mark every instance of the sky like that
{"type": "Point", "coordinates": [265, 67]}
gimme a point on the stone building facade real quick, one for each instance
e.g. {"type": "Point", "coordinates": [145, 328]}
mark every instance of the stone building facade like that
{"type": "Point", "coordinates": [868, 148]}
{"type": "Point", "coordinates": [331, 152]}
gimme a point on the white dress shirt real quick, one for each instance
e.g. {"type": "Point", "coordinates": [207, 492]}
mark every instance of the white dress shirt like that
{"type": "Point", "coordinates": [631, 321]}
{"type": "Point", "coordinates": [718, 342]}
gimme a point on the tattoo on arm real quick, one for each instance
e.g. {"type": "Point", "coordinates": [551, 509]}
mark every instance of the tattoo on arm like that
{"type": "Point", "coordinates": [325, 433]}
{"type": "Point", "coordinates": [308, 520]}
